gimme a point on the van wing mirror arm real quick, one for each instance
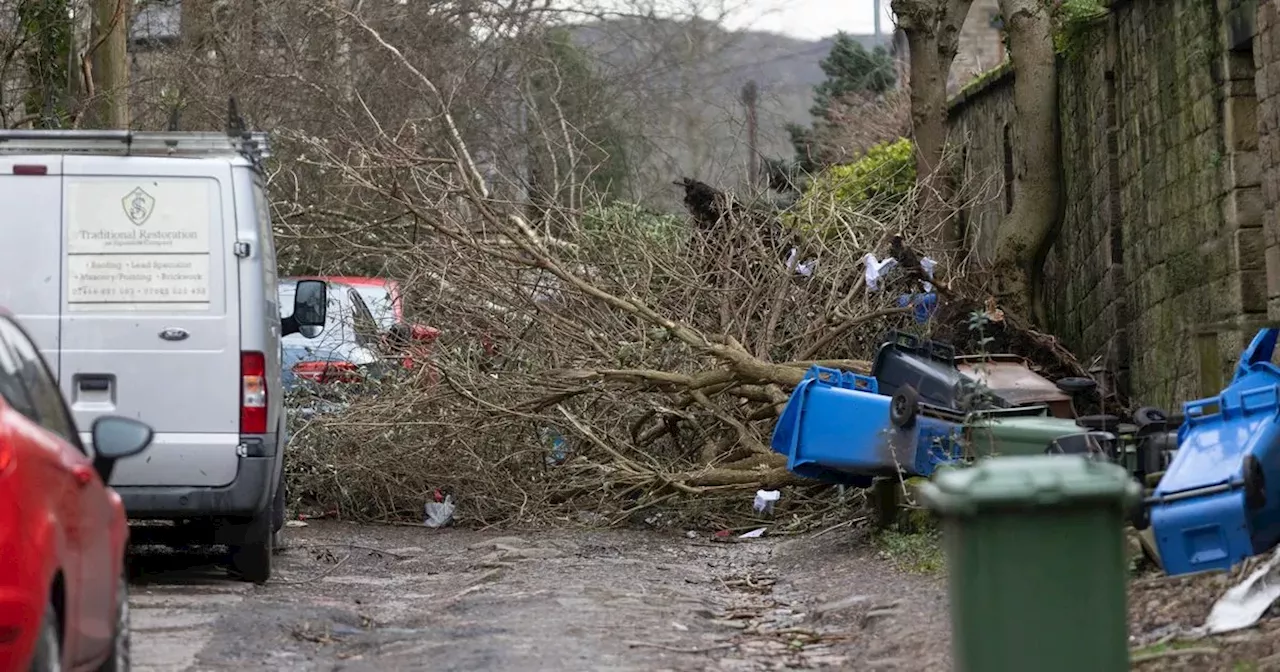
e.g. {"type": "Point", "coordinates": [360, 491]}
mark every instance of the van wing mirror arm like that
{"type": "Point", "coordinates": [289, 325]}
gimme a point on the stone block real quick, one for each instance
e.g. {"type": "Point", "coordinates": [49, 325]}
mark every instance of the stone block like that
{"type": "Point", "coordinates": [1243, 208]}
{"type": "Point", "coordinates": [1245, 168]}
{"type": "Point", "coordinates": [1273, 72]}
{"type": "Point", "coordinates": [1273, 271]}
{"type": "Point", "coordinates": [1241, 118]}
{"type": "Point", "coordinates": [1253, 291]}
{"type": "Point", "coordinates": [1216, 258]}
{"type": "Point", "coordinates": [1222, 300]}
{"type": "Point", "coordinates": [1240, 87]}
{"type": "Point", "coordinates": [1266, 146]}
{"type": "Point", "coordinates": [1270, 230]}
{"type": "Point", "coordinates": [1248, 250]}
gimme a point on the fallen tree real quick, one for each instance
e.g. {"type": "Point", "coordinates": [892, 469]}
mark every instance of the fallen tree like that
{"type": "Point", "coordinates": [631, 361]}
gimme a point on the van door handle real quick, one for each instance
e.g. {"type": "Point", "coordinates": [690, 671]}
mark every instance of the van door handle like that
{"type": "Point", "coordinates": [95, 383]}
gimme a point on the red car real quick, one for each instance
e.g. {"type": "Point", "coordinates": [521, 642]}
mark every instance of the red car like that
{"type": "Point", "coordinates": [64, 602]}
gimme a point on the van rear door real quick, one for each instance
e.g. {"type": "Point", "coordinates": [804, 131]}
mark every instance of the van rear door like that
{"type": "Point", "coordinates": [31, 247]}
{"type": "Point", "coordinates": [147, 331]}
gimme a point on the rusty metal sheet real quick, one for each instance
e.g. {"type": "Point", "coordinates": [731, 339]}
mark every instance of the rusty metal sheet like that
{"type": "Point", "coordinates": [1009, 377]}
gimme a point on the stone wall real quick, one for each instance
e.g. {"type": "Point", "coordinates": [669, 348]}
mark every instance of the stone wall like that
{"type": "Point", "coordinates": [1162, 231]}
{"type": "Point", "coordinates": [981, 119]}
{"type": "Point", "coordinates": [1266, 52]}
{"type": "Point", "coordinates": [981, 45]}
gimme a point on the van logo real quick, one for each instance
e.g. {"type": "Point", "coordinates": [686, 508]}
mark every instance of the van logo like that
{"type": "Point", "coordinates": [174, 334]}
{"type": "Point", "coordinates": [138, 206]}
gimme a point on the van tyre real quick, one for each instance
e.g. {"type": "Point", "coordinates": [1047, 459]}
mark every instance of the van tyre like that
{"type": "Point", "coordinates": [48, 653]}
{"type": "Point", "coordinates": [903, 407]}
{"type": "Point", "coordinates": [278, 505]}
{"type": "Point", "coordinates": [120, 660]}
{"type": "Point", "coordinates": [251, 558]}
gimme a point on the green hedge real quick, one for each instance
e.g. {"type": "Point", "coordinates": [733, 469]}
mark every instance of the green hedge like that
{"type": "Point", "coordinates": [875, 185]}
{"type": "Point", "coordinates": [620, 220]}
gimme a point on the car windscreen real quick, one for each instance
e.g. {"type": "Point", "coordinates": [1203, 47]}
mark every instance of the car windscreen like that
{"type": "Point", "coordinates": [378, 299]}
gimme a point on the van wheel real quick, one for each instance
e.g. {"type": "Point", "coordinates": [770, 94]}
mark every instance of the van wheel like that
{"type": "Point", "coordinates": [48, 654]}
{"type": "Point", "coordinates": [120, 649]}
{"type": "Point", "coordinates": [278, 506]}
{"type": "Point", "coordinates": [251, 559]}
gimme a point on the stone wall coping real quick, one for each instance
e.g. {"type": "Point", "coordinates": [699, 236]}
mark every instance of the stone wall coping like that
{"type": "Point", "coordinates": [999, 76]}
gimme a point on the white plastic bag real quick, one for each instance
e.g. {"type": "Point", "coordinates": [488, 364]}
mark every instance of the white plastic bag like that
{"type": "Point", "coordinates": [765, 500]}
{"type": "Point", "coordinates": [875, 268]}
{"type": "Point", "coordinates": [440, 514]}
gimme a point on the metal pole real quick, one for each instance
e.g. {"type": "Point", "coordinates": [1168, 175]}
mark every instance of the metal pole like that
{"type": "Point", "coordinates": [750, 95]}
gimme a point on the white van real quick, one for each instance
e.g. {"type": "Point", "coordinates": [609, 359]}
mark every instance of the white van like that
{"type": "Point", "coordinates": [143, 266]}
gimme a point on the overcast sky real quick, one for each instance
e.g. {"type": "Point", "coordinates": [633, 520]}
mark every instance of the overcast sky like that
{"type": "Point", "coordinates": [810, 19]}
{"type": "Point", "coordinates": [803, 19]}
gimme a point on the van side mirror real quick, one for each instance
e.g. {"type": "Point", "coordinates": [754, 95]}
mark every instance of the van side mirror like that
{"type": "Point", "coordinates": [310, 305]}
{"type": "Point", "coordinates": [116, 437]}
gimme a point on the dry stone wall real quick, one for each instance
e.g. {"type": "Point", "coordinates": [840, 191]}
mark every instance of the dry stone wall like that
{"type": "Point", "coordinates": [1168, 128]}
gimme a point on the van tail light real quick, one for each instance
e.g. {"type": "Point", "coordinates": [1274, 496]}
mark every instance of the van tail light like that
{"type": "Point", "coordinates": [253, 393]}
{"type": "Point", "coordinates": [328, 372]}
{"type": "Point", "coordinates": [6, 456]}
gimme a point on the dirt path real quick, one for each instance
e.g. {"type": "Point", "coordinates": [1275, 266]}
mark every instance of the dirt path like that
{"type": "Point", "coordinates": [403, 598]}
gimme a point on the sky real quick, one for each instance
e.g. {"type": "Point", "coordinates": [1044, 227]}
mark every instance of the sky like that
{"type": "Point", "coordinates": [809, 19]}
{"type": "Point", "coordinates": [802, 19]}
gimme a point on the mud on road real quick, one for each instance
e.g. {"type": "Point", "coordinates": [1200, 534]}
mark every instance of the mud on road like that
{"type": "Point", "coordinates": [349, 597]}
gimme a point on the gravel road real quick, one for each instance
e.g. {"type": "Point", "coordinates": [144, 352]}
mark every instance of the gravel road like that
{"type": "Point", "coordinates": [350, 597]}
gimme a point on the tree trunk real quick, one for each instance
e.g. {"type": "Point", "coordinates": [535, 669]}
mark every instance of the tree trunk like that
{"type": "Point", "coordinates": [932, 28]}
{"type": "Point", "coordinates": [1028, 231]}
{"type": "Point", "coordinates": [929, 130]}
{"type": "Point", "coordinates": [109, 65]}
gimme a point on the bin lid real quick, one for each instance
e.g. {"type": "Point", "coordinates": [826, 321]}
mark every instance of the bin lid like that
{"type": "Point", "coordinates": [1029, 481]}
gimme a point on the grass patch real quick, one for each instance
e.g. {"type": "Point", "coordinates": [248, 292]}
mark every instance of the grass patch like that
{"type": "Point", "coordinates": [918, 553]}
{"type": "Point", "coordinates": [1170, 650]}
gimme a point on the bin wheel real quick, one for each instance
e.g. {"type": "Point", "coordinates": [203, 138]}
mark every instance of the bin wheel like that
{"type": "Point", "coordinates": [904, 406]}
{"type": "Point", "coordinates": [1255, 487]}
{"type": "Point", "coordinates": [1076, 385]}
{"type": "Point", "coordinates": [1148, 415]}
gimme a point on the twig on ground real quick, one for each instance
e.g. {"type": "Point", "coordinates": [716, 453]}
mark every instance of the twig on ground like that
{"type": "Point", "coordinates": [320, 575]}
{"type": "Point", "coordinates": [681, 649]}
{"type": "Point", "coordinates": [353, 546]}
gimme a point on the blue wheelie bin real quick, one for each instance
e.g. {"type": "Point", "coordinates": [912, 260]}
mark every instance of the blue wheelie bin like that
{"type": "Point", "coordinates": [1219, 501]}
{"type": "Point", "coordinates": [837, 428]}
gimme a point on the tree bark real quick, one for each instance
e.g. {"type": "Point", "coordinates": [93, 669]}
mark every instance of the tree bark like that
{"type": "Point", "coordinates": [932, 28]}
{"type": "Point", "coordinates": [1027, 233]}
{"type": "Point", "coordinates": [108, 64]}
